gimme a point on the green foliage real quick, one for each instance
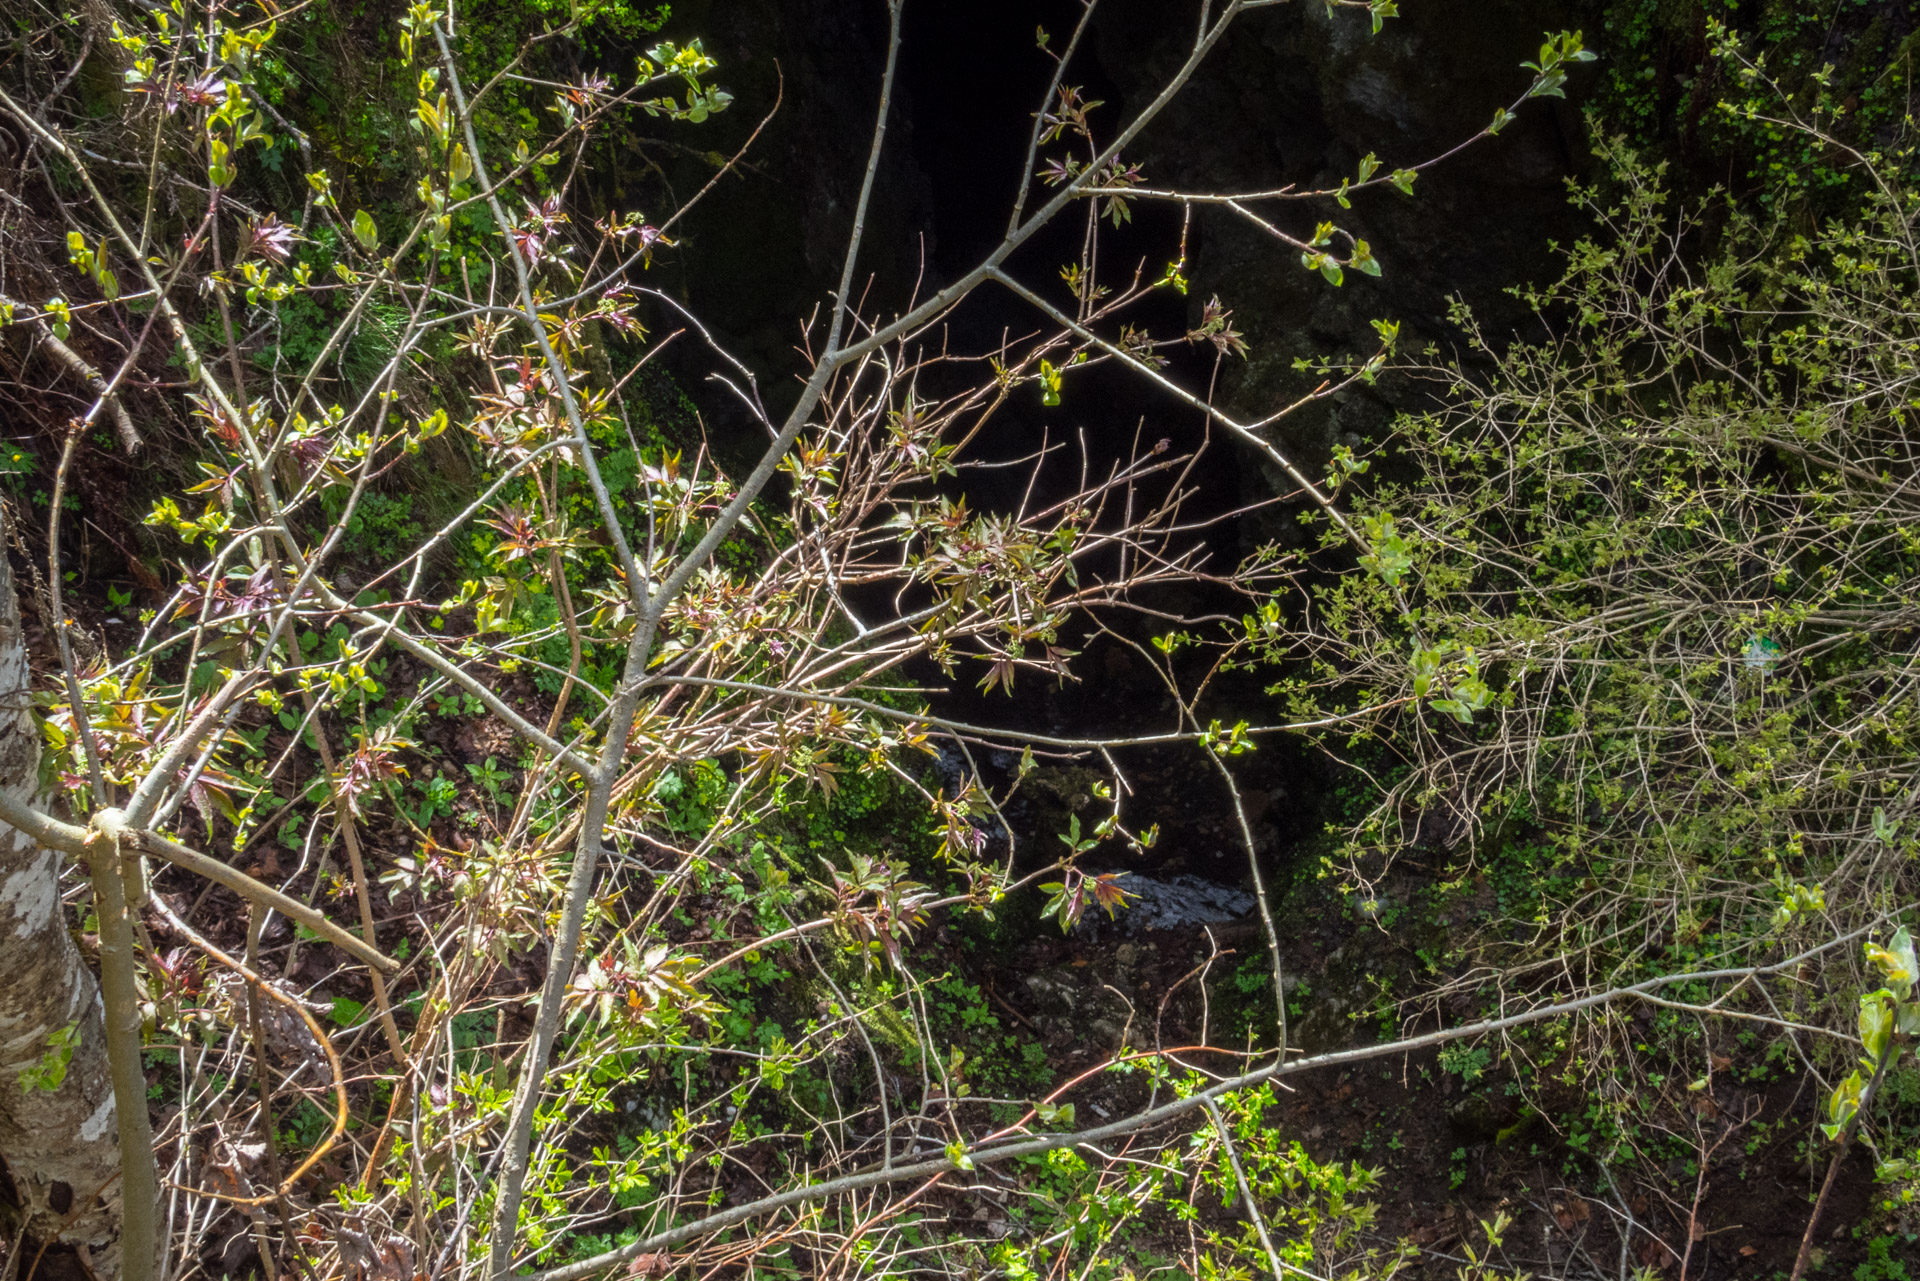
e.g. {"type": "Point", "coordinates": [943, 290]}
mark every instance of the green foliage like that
{"type": "Point", "coordinates": [1590, 477]}
{"type": "Point", "coordinates": [994, 1060]}
{"type": "Point", "coordinates": [1882, 1263]}
{"type": "Point", "coordinates": [1662, 83]}
{"type": "Point", "coordinates": [379, 528]}
{"type": "Point", "coordinates": [1617, 663]}
{"type": "Point", "coordinates": [1320, 1214]}
{"type": "Point", "coordinates": [51, 1071]}
{"type": "Point", "coordinates": [1468, 1062]}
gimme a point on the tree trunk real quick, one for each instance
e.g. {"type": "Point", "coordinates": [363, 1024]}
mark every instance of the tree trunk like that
{"type": "Point", "coordinates": [57, 1126]}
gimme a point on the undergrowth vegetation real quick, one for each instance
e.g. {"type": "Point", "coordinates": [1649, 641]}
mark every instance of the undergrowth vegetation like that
{"type": "Point", "coordinates": [1668, 544]}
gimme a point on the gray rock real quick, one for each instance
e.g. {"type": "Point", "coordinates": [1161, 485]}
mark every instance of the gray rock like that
{"type": "Point", "coordinates": [1076, 1004]}
{"type": "Point", "coordinates": [1058, 991]}
{"type": "Point", "coordinates": [1180, 902]}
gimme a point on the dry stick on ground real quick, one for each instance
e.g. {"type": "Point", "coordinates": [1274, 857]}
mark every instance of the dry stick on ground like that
{"type": "Point", "coordinates": [1696, 1232]}
{"type": "Point", "coordinates": [74, 361]}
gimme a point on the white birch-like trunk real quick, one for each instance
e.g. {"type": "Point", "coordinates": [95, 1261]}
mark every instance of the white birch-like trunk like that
{"type": "Point", "coordinates": [59, 1145]}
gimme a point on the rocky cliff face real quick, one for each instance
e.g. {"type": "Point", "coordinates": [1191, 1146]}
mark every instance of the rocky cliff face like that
{"type": "Point", "coordinates": [1298, 97]}
{"type": "Point", "coordinates": [1293, 96]}
{"type": "Point", "coordinates": [766, 244]}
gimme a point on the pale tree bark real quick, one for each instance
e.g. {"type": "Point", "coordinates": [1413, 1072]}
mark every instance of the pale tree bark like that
{"type": "Point", "coordinates": [60, 1144]}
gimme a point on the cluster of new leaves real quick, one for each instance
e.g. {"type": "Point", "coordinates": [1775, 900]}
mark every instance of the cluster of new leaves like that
{"type": "Point", "coordinates": [876, 908]}
{"type": "Point", "coordinates": [1889, 1020]}
{"type": "Point", "coordinates": [643, 991]}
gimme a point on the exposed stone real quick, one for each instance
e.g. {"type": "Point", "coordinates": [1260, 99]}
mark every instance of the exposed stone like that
{"type": "Point", "coordinates": [1076, 1005]}
{"type": "Point", "coordinates": [1308, 94]}
{"type": "Point", "coordinates": [1181, 902]}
